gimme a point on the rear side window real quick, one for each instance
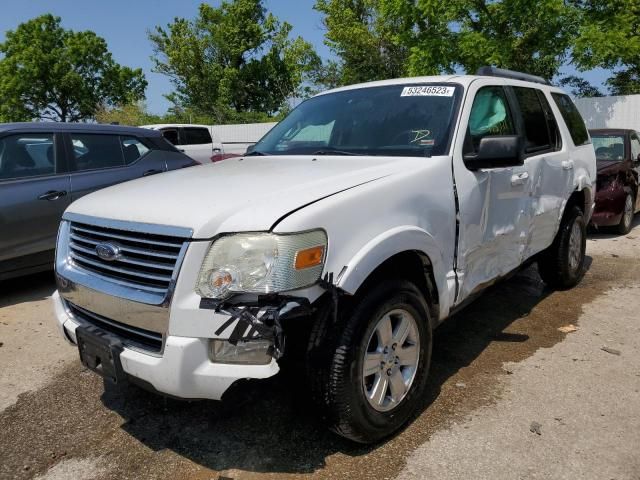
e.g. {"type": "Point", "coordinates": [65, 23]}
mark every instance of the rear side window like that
{"type": "Point", "coordinates": [27, 155]}
{"type": "Point", "coordinates": [171, 136]}
{"type": "Point", "coordinates": [540, 133]}
{"type": "Point", "coordinates": [133, 149]}
{"type": "Point", "coordinates": [96, 151]}
{"type": "Point", "coordinates": [573, 119]}
{"type": "Point", "coordinates": [196, 136]}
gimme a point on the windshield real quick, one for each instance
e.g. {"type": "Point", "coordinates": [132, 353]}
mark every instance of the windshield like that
{"type": "Point", "coordinates": [397, 120]}
{"type": "Point", "coordinates": [608, 147]}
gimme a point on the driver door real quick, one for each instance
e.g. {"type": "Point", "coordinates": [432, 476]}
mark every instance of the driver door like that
{"type": "Point", "coordinates": [494, 202]}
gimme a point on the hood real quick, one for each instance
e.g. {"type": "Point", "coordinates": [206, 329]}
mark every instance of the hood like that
{"type": "Point", "coordinates": [245, 194]}
{"type": "Point", "coordinates": [610, 167]}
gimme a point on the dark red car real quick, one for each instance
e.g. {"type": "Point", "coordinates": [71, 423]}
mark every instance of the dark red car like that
{"type": "Point", "coordinates": [618, 162]}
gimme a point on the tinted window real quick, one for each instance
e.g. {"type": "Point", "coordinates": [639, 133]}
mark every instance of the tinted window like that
{"type": "Point", "coordinates": [490, 115]}
{"type": "Point", "coordinates": [171, 136]}
{"type": "Point", "coordinates": [196, 136]}
{"type": "Point", "coordinates": [608, 147]}
{"type": "Point", "coordinates": [572, 118]}
{"type": "Point", "coordinates": [534, 119]}
{"type": "Point", "coordinates": [635, 147]}
{"type": "Point", "coordinates": [27, 155]}
{"type": "Point", "coordinates": [133, 149]}
{"type": "Point", "coordinates": [397, 120]}
{"type": "Point", "coordinates": [94, 151]}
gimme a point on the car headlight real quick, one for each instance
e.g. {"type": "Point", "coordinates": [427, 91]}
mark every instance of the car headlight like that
{"type": "Point", "coordinates": [262, 263]}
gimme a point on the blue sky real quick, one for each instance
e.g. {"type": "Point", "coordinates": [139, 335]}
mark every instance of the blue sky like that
{"type": "Point", "coordinates": [124, 25]}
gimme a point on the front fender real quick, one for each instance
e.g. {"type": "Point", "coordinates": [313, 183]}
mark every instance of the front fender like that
{"type": "Point", "coordinates": [394, 241]}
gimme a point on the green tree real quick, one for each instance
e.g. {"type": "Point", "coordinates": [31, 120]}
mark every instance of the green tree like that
{"type": "Point", "coordinates": [50, 73]}
{"type": "Point", "coordinates": [579, 87]}
{"type": "Point", "coordinates": [609, 37]}
{"type": "Point", "coordinates": [390, 38]}
{"type": "Point", "coordinates": [134, 114]}
{"type": "Point", "coordinates": [233, 62]}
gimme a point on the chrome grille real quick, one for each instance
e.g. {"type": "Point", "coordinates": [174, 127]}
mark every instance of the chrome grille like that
{"type": "Point", "coordinates": [130, 335]}
{"type": "Point", "coordinates": [146, 261]}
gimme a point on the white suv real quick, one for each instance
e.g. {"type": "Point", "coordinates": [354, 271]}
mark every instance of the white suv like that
{"type": "Point", "coordinates": [196, 141]}
{"type": "Point", "coordinates": [368, 215]}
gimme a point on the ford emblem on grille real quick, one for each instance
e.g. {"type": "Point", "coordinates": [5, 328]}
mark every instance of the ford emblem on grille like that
{"type": "Point", "coordinates": [107, 251]}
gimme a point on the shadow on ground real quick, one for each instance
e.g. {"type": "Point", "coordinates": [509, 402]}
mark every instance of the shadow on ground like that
{"type": "Point", "coordinates": [274, 429]}
{"type": "Point", "coordinates": [30, 288]}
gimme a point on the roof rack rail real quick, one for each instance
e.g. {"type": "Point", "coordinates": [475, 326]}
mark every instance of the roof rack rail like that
{"type": "Point", "coordinates": [501, 72]}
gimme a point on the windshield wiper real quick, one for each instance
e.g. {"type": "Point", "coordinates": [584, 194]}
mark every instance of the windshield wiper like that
{"type": "Point", "coordinates": [255, 153]}
{"type": "Point", "coordinates": [333, 152]}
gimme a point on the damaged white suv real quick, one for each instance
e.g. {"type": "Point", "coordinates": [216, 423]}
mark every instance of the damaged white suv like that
{"type": "Point", "coordinates": [369, 215]}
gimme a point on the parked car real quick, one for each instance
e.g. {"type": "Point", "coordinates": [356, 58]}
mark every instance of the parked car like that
{"type": "Point", "coordinates": [618, 191]}
{"type": "Point", "coordinates": [196, 141]}
{"type": "Point", "coordinates": [46, 166]}
{"type": "Point", "coordinates": [368, 216]}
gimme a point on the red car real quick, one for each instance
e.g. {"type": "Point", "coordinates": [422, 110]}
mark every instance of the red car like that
{"type": "Point", "coordinates": [618, 162]}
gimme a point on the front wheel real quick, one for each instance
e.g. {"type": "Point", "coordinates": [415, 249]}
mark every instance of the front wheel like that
{"type": "Point", "coordinates": [370, 370]}
{"type": "Point", "coordinates": [562, 264]}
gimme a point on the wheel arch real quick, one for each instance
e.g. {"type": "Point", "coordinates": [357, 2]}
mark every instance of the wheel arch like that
{"type": "Point", "coordinates": [411, 251]}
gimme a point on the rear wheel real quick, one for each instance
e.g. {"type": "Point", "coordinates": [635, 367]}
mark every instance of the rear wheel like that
{"type": "Point", "coordinates": [626, 221]}
{"type": "Point", "coordinates": [562, 264]}
{"type": "Point", "coordinates": [369, 371]}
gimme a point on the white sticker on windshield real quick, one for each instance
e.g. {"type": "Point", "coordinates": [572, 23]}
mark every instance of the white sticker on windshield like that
{"type": "Point", "coordinates": [428, 91]}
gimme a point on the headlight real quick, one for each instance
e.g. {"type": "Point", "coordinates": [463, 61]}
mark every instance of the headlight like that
{"type": "Point", "coordinates": [262, 263]}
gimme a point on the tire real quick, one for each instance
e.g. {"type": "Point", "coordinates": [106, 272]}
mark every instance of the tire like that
{"type": "Point", "coordinates": [626, 222]}
{"type": "Point", "coordinates": [336, 361]}
{"type": "Point", "coordinates": [561, 265]}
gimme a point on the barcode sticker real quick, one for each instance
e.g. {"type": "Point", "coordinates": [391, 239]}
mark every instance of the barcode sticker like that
{"type": "Point", "coordinates": [428, 91]}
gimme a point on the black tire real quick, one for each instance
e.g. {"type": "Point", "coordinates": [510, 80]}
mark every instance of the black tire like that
{"type": "Point", "coordinates": [335, 360]}
{"type": "Point", "coordinates": [554, 264]}
{"type": "Point", "coordinates": [626, 222]}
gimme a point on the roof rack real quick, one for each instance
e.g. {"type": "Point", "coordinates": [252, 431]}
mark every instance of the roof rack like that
{"type": "Point", "coordinates": [501, 72]}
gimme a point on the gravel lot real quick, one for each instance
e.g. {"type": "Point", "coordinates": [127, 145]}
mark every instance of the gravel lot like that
{"type": "Point", "coordinates": [511, 396]}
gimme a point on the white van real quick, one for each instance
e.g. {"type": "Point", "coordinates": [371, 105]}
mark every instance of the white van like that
{"type": "Point", "coordinates": [197, 141]}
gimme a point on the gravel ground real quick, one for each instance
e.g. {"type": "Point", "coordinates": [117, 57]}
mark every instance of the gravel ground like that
{"type": "Point", "coordinates": [501, 369]}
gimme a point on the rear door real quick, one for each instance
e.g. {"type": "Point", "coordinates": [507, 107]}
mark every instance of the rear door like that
{"type": "Point", "coordinates": [546, 164]}
{"type": "Point", "coordinates": [196, 142]}
{"type": "Point", "coordinates": [98, 160]}
{"type": "Point", "coordinates": [35, 192]}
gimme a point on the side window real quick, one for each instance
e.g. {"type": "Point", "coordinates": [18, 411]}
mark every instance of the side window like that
{"type": "Point", "coordinates": [27, 155]}
{"type": "Point", "coordinates": [196, 136]}
{"type": "Point", "coordinates": [534, 119]}
{"type": "Point", "coordinates": [552, 125]}
{"type": "Point", "coordinates": [635, 147]}
{"type": "Point", "coordinates": [96, 151]}
{"type": "Point", "coordinates": [171, 136]}
{"type": "Point", "coordinates": [572, 118]}
{"type": "Point", "coordinates": [133, 149]}
{"type": "Point", "coordinates": [490, 115]}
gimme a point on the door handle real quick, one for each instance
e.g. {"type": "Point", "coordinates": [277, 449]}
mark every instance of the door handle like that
{"type": "Point", "coordinates": [52, 195]}
{"type": "Point", "coordinates": [519, 178]}
{"type": "Point", "coordinates": [151, 172]}
{"type": "Point", "coordinates": [567, 164]}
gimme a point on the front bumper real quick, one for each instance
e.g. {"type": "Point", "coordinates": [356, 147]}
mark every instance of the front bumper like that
{"type": "Point", "coordinates": [182, 370]}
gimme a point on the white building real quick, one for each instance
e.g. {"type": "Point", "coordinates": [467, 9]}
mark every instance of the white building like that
{"type": "Point", "coordinates": [611, 112]}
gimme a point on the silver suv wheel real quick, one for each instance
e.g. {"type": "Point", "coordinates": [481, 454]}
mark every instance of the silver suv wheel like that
{"type": "Point", "coordinates": [391, 360]}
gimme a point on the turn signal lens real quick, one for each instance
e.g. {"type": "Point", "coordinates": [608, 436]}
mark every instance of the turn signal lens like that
{"type": "Point", "coordinates": [310, 257]}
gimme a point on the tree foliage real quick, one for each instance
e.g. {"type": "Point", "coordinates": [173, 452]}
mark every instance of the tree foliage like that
{"type": "Point", "coordinates": [50, 73]}
{"type": "Point", "coordinates": [234, 62]}
{"type": "Point", "coordinates": [390, 38]}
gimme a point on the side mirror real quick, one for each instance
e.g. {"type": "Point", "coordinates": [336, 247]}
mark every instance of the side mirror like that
{"type": "Point", "coordinates": [497, 151]}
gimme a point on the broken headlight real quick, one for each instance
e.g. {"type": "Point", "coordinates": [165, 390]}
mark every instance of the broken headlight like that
{"type": "Point", "coordinates": [262, 263]}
